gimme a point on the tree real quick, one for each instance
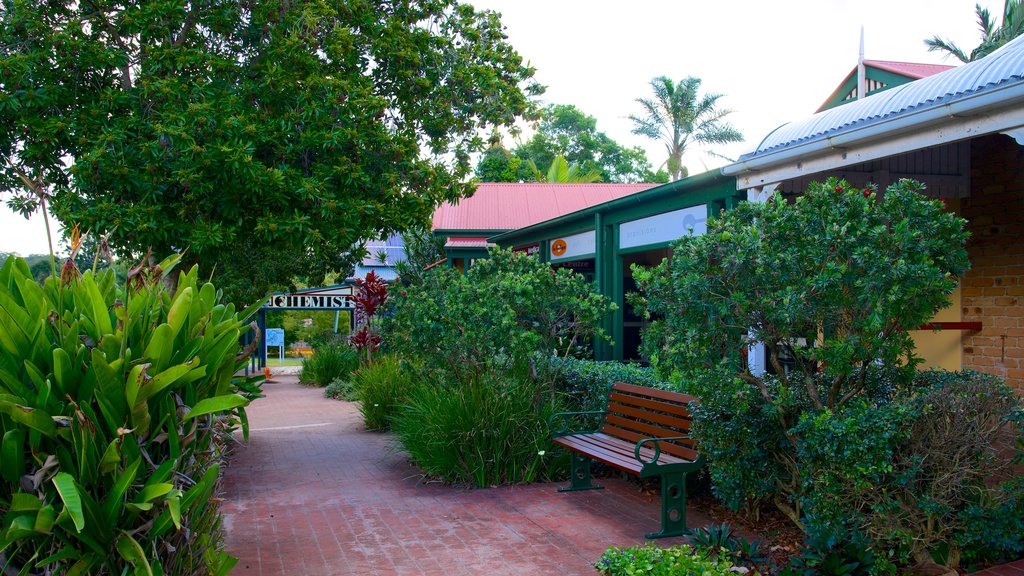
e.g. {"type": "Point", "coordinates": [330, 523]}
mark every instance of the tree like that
{"type": "Point", "coordinates": [497, 164]}
{"type": "Point", "coordinates": [561, 171]}
{"type": "Point", "coordinates": [992, 37]}
{"type": "Point", "coordinates": [271, 134]}
{"type": "Point", "coordinates": [831, 285]}
{"type": "Point", "coordinates": [678, 115]}
{"type": "Point", "coordinates": [565, 130]}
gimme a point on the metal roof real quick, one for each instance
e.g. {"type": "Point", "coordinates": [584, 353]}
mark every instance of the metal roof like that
{"type": "Point", "coordinates": [497, 206]}
{"type": "Point", "coordinates": [466, 243]}
{"type": "Point", "coordinates": [908, 69]}
{"type": "Point", "coordinates": [1003, 67]}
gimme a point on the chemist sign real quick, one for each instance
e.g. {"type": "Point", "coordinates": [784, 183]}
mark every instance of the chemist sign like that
{"type": "Point", "coordinates": [329, 298]}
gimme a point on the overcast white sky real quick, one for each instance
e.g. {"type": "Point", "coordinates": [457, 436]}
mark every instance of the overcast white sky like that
{"type": "Point", "coordinates": [776, 61]}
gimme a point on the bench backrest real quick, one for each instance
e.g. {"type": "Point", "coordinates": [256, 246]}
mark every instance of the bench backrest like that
{"type": "Point", "coordinates": [637, 412]}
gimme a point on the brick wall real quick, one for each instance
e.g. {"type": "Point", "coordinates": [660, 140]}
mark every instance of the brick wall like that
{"type": "Point", "coordinates": [993, 289]}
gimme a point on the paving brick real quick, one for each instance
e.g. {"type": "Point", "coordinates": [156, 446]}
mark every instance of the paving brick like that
{"type": "Point", "coordinates": [315, 493]}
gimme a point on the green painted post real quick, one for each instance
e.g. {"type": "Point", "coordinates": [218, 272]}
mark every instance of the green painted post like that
{"type": "Point", "coordinates": [601, 349]}
{"type": "Point", "coordinates": [616, 272]}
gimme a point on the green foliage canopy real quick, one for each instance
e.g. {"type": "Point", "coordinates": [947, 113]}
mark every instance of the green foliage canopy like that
{"type": "Point", "coordinates": [265, 138]}
{"type": "Point", "coordinates": [565, 130]}
{"type": "Point", "coordinates": [508, 309]}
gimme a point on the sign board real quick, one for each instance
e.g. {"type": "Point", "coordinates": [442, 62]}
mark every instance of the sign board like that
{"type": "Point", "coordinates": [329, 298]}
{"type": "Point", "coordinates": [275, 337]}
{"type": "Point", "coordinates": [530, 250]}
{"type": "Point", "coordinates": [576, 265]}
{"type": "Point", "coordinates": [665, 227]}
{"type": "Point", "coordinates": [581, 244]}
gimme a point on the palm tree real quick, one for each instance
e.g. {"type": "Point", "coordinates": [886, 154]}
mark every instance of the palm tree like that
{"type": "Point", "coordinates": [561, 171]}
{"type": "Point", "coordinates": [992, 37]}
{"type": "Point", "coordinates": [677, 115]}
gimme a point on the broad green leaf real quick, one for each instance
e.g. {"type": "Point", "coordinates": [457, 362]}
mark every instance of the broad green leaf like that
{"type": "Point", "coordinates": [12, 455]}
{"type": "Point", "coordinates": [174, 506]}
{"type": "Point", "coordinates": [178, 313]}
{"type": "Point", "coordinates": [45, 519]}
{"type": "Point", "coordinates": [114, 500]}
{"type": "Point", "coordinates": [131, 551]}
{"type": "Point", "coordinates": [160, 347]}
{"type": "Point", "coordinates": [69, 494]}
{"type": "Point", "coordinates": [22, 502]}
{"type": "Point", "coordinates": [111, 457]}
{"type": "Point", "coordinates": [62, 372]}
{"type": "Point", "coordinates": [34, 418]}
{"type": "Point", "coordinates": [225, 562]}
{"type": "Point", "coordinates": [163, 380]}
{"type": "Point", "coordinates": [150, 493]}
{"type": "Point", "coordinates": [216, 404]}
{"type": "Point", "coordinates": [96, 306]}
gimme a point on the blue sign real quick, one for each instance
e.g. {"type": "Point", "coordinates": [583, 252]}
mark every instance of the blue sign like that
{"type": "Point", "coordinates": [275, 336]}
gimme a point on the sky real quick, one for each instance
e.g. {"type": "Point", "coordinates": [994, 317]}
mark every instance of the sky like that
{"type": "Point", "coordinates": [775, 61]}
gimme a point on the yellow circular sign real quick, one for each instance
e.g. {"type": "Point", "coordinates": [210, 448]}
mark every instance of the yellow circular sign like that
{"type": "Point", "coordinates": [558, 247]}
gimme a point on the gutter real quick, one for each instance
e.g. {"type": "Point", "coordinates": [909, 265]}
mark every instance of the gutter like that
{"type": "Point", "coordinates": [970, 105]}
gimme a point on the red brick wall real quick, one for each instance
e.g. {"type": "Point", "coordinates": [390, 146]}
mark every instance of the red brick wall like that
{"type": "Point", "coordinates": [993, 289]}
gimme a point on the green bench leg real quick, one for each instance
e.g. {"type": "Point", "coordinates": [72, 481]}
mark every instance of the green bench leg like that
{"type": "Point", "coordinates": [580, 479]}
{"type": "Point", "coordinates": [673, 506]}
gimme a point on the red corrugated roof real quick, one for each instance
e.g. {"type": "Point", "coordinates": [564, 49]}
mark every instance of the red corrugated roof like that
{"type": "Point", "coordinates": [466, 243]}
{"type": "Point", "coordinates": [909, 69]}
{"type": "Point", "coordinates": [508, 206]}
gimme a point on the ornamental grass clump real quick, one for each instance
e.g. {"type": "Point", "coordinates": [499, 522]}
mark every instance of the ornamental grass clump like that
{"type": "Point", "coordinates": [381, 388]}
{"type": "Point", "coordinates": [116, 403]}
{"type": "Point", "coordinates": [329, 362]}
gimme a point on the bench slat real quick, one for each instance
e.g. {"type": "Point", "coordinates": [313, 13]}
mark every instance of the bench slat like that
{"type": "Point", "coordinates": [628, 448]}
{"type": "Point", "coordinates": [676, 448]}
{"type": "Point", "coordinates": [680, 410]}
{"type": "Point", "coordinates": [645, 415]}
{"type": "Point", "coordinates": [653, 393]}
{"type": "Point", "coordinates": [645, 428]}
{"type": "Point", "coordinates": [604, 455]}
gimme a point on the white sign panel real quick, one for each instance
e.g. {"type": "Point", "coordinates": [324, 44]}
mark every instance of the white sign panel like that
{"type": "Point", "coordinates": [330, 298]}
{"type": "Point", "coordinates": [573, 246]}
{"type": "Point", "coordinates": [664, 227]}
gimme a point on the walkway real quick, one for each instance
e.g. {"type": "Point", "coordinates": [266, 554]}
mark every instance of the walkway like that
{"type": "Point", "coordinates": [315, 493]}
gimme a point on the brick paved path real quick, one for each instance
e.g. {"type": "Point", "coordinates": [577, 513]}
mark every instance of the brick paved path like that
{"type": "Point", "coordinates": [314, 493]}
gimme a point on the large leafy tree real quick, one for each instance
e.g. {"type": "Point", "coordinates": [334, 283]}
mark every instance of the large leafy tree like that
{"type": "Point", "coordinates": [992, 36]}
{"type": "Point", "coordinates": [265, 138]}
{"type": "Point", "coordinates": [679, 115]}
{"type": "Point", "coordinates": [565, 130]}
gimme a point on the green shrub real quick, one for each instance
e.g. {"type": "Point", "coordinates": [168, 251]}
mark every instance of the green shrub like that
{"type": "Point", "coordinates": [340, 389]}
{"type": "Point", "coordinates": [477, 412]}
{"type": "Point", "coordinates": [915, 474]}
{"type": "Point", "coordinates": [329, 362]}
{"type": "Point", "coordinates": [586, 383]}
{"type": "Point", "coordinates": [507, 311]}
{"type": "Point", "coordinates": [114, 406]}
{"type": "Point", "coordinates": [654, 561]}
{"type": "Point", "coordinates": [487, 432]}
{"type": "Point", "coordinates": [381, 389]}
{"type": "Point", "coordinates": [858, 267]}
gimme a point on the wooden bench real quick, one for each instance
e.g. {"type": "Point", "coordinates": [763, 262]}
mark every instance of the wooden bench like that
{"type": "Point", "coordinates": [645, 432]}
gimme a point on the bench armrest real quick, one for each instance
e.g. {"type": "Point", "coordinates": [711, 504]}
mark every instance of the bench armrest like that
{"type": "Point", "coordinates": [657, 448]}
{"type": "Point", "coordinates": [564, 430]}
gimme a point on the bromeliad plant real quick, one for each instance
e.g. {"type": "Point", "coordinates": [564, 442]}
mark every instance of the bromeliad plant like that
{"type": "Point", "coordinates": [115, 403]}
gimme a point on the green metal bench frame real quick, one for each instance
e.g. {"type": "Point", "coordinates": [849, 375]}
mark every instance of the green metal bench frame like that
{"type": "Point", "coordinates": [642, 419]}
